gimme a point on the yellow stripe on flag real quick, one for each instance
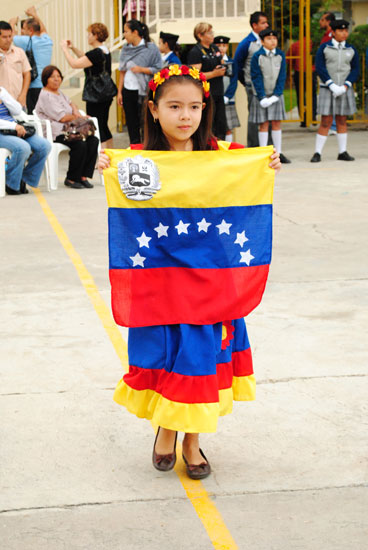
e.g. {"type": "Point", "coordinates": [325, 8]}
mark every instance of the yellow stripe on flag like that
{"type": "Point", "coordinates": [199, 179]}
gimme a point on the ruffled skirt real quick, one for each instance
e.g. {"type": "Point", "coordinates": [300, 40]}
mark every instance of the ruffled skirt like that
{"type": "Point", "coordinates": [183, 377]}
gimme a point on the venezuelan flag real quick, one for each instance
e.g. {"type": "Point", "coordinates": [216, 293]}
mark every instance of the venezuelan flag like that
{"type": "Point", "coordinates": [193, 246]}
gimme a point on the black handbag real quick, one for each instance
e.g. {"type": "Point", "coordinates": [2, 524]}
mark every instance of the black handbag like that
{"type": "Point", "coordinates": [31, 59]}
{"type": "Point", "coordinates": [30, 131]}
{"type": "Point", "coordinates": [99, 88]}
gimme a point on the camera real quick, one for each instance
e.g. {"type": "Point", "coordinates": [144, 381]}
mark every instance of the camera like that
{"type": "Point", "coordinates": [229, 68]}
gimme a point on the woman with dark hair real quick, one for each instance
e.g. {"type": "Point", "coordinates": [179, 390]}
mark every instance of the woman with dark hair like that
{"type": "Point", "coordinates": [139, 60]}
{"type": "Point", "coordinates": [206, 57]}
{"type": "Point", "coordinates": [95, 62]}
{"type": "Point", "coordinates": [53, 105]}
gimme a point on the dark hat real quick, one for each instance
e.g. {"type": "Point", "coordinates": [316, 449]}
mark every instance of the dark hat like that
{"type": "Point", "coordinates": [221, 40]}
{"type": "Point", "coordinates": [167, 36]}
{"type": "Point", "coordinates": [267, 32]}
{"type": "Point", "coordinates": [339, 24]}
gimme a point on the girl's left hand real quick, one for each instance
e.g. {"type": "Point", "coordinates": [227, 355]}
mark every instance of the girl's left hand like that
{"type": "Point", "coordinates": [275, 161]}
{"type": "Point", "coordinates": [103, 162]}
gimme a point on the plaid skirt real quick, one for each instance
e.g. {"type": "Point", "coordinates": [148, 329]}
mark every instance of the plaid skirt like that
{"type": "Point", "coordinates": [258, 114]}
{"type": "Point", "coordinates": [232, 119]}
{"type": "Point", "coordinates": [343, 105]}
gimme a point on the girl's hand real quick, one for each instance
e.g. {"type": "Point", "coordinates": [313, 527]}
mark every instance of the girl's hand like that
{"type": "Point", "coordinates": [275, 161]}
{"type": "Point", "coordinates": [103, 162]}
{"type": "Point", "coordinates": [136, 69]}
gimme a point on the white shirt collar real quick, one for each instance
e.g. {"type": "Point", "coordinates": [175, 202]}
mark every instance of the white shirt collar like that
{"type": "Point", "coordinates": [257, 37]}
{"type": "Point", "coordinates": [166, 56]}
{"type": "Point", "coordinates": [335, 43]}
{"type": "Point", "coordinates": [268, 52]}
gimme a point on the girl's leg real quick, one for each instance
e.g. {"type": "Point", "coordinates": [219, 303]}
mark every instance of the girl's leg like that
{"type": "Point", "coordinates": [276, 135]}
{"type": "Point", "coordinates": [165, 441]}
{"type": "Point", "coordinates": [326, 121]}
{"type": "Point", "coordinates": [263, 134]}
{"type": "Point", "coordinates": [342, 138]}
{"type": "Point", "coordinates": [191, 449]}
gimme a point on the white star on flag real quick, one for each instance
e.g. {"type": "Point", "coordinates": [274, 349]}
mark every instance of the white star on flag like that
{"type": "Point", "coordinates": [182, 227]}
{"type": "Point", "coordinates": [240, 238]}
{"type": "Point", "coordinates": [137, 260]}
{"type": "Point", "coordinates": [224, 227]}
{"type": "Point", "coordinates": [246, 257]}
{"type": "Point", "coordinates": [143, 240]}
{"type": "Point", "coordinates": [203, 225]}
{"type": "Point", "coordinates": [161, 230]}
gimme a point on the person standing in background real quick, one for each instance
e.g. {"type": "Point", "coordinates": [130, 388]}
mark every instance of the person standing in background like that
{"type": "Point", "coordinates": [35, 36]}
{"type": "Point", "coordinates": [168, 46]}
{"type": "Point", "coordinates": [15, 70]}
{"type": "Point", "coordinates": [242, 60]}
{"type": "Point", "coordinates": [325, 24]}
{"type": "Point", "coordinates": [139, 60]}
{"type": "Point", "coordinates": [207, 58]}
{"type": "Point", "coordinates": [230, 85]}
{"type": "Point", "coordinates": [95, 62]}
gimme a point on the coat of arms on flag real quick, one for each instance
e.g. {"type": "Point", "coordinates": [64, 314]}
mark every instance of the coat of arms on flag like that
{"type": "Point", "coordinates": [194, 244]}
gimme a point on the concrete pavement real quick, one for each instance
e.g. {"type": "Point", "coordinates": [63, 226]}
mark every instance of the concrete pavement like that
{"type": "Point", "coordinates": [290, 469]}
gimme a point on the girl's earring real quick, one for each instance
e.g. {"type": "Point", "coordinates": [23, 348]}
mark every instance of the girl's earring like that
{"type": "Point", "coordinates": [155, 120]}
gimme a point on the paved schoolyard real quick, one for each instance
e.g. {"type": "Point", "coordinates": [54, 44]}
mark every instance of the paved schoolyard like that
{"type": "Point", "coordinates": [290, 470]}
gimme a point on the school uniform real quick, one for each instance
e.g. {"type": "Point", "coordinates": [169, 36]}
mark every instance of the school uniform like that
{"type": "Point", "coordinates": [170, 59]}
{"type": "Point", "coordinates": [268, 74]}
{"type": "Point", "coordinates": [338, 63]}
{"type": "Point", "coordinates": [230, 85]}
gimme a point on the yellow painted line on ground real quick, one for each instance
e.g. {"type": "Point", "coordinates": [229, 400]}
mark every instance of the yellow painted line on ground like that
{"type": "Point", "coordinates": [205, 508]}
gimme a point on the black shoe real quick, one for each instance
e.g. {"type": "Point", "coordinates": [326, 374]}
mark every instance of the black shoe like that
{"type": "Point", "coordinates": [86, 184]}
{"type": "Point", "coordinates": [284, 160]}
{"type": "Point", "coordinates": [73, 184]}
{"type": "Point", "coordinates": [345, 156]}
{"type": "Point", "coordinates": [303, 125]}
{"type": "Point", "coordinates": [198, 471]}
{"type": "Point", "coordinates": [316, 158]}
{"type": "Point", "coordinates": [164, 463]}
{"type": "Point", "coordinates": [23, 188]}
{"type": "Point", "coordinates": [11, 191]}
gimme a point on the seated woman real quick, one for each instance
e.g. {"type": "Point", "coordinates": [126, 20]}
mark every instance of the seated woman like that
{"type": "Point", "coordinates": [53, 105]}
{"type": "Point", "coordinates": [13, 136]}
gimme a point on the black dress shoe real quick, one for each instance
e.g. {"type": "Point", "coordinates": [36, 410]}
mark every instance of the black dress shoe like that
{"type": "Point", "coordinates": [86, 184]}
{"type": "Point", "coordinates": [11, 191]}
{"type": "Point", "coordinates": [284, 160]}
{"type": "Point", "coordinates": [345, 156]}
{"type": "Point", "coordinates": [198, 471]}
{"type": "Point", "coordinates": [316, 158]}
{"type": "Point", "coordinates": [73, 184]}
{"type": "Point", "coordinates": [164, 463]}
{"type": "Point", "coordinates": [23, 188]}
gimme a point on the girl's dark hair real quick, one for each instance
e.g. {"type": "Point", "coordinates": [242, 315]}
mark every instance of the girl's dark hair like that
{"type": "Point", "coordinates": [154, 138]}
{"type": "Point", "coordinates": [141, 29]}
{"type": "Point", "coordinates": [47, 72]}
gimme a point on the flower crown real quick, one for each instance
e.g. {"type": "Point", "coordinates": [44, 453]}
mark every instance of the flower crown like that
{"type": "Point", "coordinates": [176, 70]}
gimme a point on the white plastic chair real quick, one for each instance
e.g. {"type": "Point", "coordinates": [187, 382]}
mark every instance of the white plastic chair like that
{"type": "Point", "coordinates": [57, 148]}
{"type": "Point", "coordinates": [4, 154]}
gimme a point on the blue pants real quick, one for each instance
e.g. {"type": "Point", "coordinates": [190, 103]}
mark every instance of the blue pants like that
{"type": "Point", "coordinates": [34, 148]}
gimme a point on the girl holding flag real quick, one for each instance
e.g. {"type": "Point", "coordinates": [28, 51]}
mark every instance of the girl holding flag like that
{"type": "Point", "coordinates": [183, 376]}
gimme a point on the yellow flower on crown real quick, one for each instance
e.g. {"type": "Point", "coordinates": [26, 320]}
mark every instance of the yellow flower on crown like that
{"type": "Point", "coordinates": [194, 73]}
{"type": "Point", "coordinates": [206, 87]}
{"type": "Point", "coordinates": [174, 70]}
{"type": "Point", "coordinates": [158, 79]}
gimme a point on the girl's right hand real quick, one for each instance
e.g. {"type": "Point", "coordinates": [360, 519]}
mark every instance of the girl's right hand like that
{"type": "Point", "coordinates": [103, 162]}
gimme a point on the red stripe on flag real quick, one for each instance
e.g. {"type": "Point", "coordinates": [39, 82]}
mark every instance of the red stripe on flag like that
{"type": "Point", "coordinates": [171, 295]}
{"type": "Point", "coordinates": [190, 389]}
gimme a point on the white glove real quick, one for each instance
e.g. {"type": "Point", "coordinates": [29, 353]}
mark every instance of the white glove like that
{"type": "Point", "coordinates": [342, 89]}
{"type": "Point", "coordinates": [335, 89]}
{"type": "Point", "coordinates": [265, 102]}
{"type": "Point", "coordinates": [274, 99]}
{"type": "Point", "coordinates": [226, 99]}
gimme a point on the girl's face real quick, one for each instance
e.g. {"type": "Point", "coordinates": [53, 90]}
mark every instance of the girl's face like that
{"type": "Point", "coordinates": [163, 46]}
{"type": "Point", "coordinates": [179, 111]}
{"type": "Point", "coordinates": [223, 48]}
{"type": "Point", "coordinates": [129, 35]}
{"type": "Point", "coordinates": [270, 42]}
{"type": "Point", "coordinates": [340, 34]}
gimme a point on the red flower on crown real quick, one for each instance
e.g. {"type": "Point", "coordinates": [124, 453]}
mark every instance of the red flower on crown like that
{"type": "Point", "coordinates": [184, 69]}
{"type": "Point", "coordinates": [164, 73]}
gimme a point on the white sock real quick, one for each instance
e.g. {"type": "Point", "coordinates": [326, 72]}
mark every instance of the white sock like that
{"type": "Point", "coordinates": [277, 139]}
{"type": "Point", "coordinates": [342, 141]}
{"type": "Point", "coordinates": [263, 138]}
{"type": "Point", "coordinates": [229, 137]}
{"type": "Point", "coordinates": [320, 142]}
